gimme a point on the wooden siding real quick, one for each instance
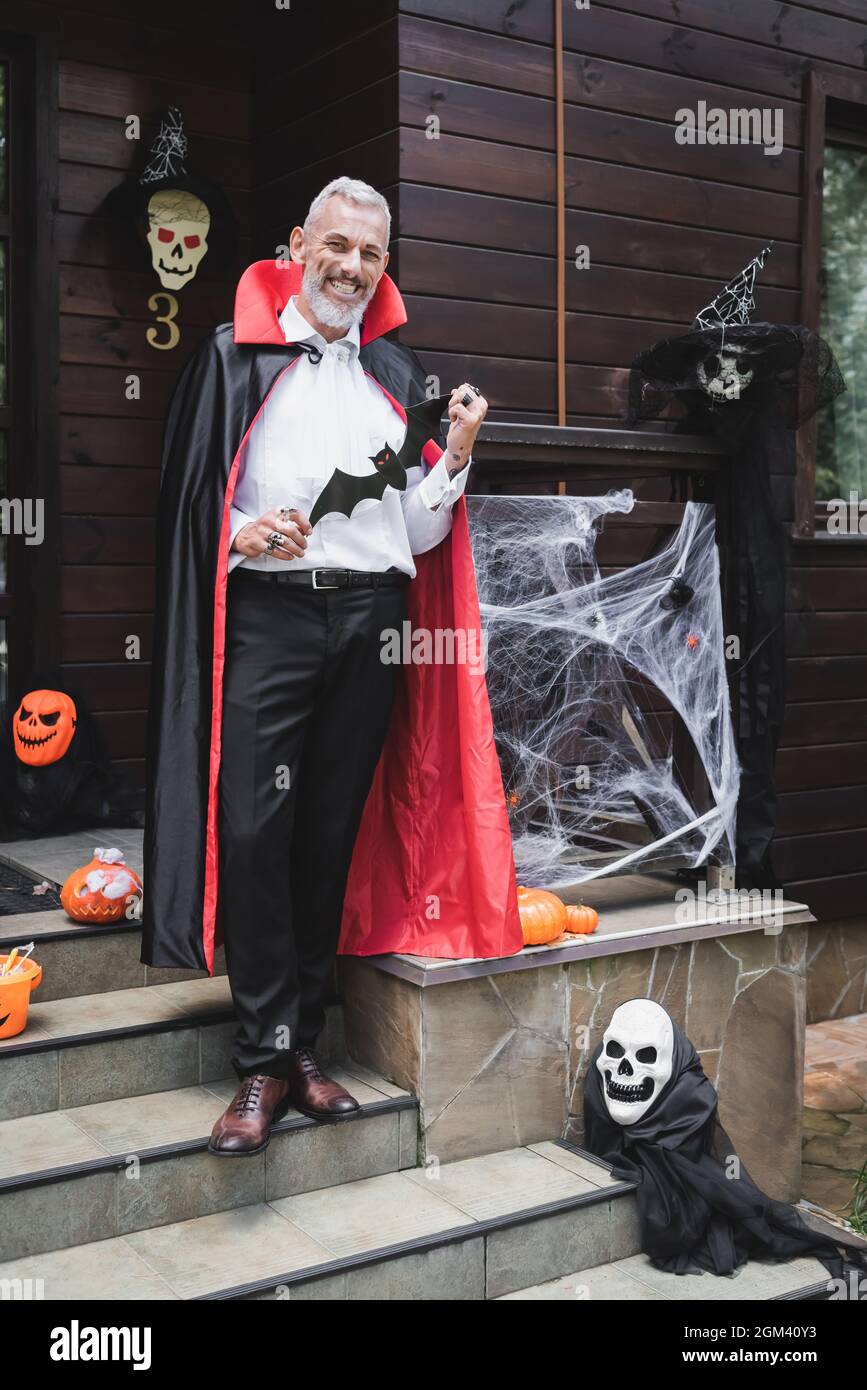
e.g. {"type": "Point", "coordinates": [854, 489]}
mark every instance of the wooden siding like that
{"type": "Point", "coordinates": [277, 106]}
{"type": "Point", "coordinates": [666, 225]}
{"type": "Point", "coordinates": [116, 62]}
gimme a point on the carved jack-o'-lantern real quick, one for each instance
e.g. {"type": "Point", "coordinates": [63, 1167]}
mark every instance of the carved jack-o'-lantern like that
{"type": "Point", "coordinates": [43, 727]}
{"type": "Point", "coordinates": [100, 890]}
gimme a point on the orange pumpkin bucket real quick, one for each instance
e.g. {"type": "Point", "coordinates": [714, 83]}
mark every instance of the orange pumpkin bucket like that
{"type": "Point", "coordinates": [15, 995]}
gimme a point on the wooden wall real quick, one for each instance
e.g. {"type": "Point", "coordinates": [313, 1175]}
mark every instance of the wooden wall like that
{"type": "Point", "coordinates": [278, 102]}
{"type": "Point", "coordinates": [257, 95]}
{"type": "Point", "coordinates": [325, 105]}
{"type": "Point", "coordinates": [116, 61]}
{"type": "Point", "coordinates": [666, 225]}
{"type": "Point", "coordinates": [477, 205]}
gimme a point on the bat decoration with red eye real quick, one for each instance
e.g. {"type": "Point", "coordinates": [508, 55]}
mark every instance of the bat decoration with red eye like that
{"type": "Point", "coordinates": [344, 491]}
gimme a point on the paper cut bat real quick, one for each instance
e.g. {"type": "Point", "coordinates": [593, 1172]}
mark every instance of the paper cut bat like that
{"type": "Point", "coordinates": [344, 491]}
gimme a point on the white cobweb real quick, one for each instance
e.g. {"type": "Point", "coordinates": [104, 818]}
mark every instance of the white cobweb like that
{"type": "Point", "coordinates": [735, 302]}
{"type": "Point", "coordinates": [590, 777]}
{"type": "Point", "coordinates": [169, 151]}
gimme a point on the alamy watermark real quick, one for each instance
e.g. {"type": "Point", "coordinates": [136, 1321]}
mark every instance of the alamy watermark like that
{"type": "Point", "coordinates": [714, 125]}
{"type": "Point", "coordinates": [847, 518]}
{"type": "Point", "coordinates": [85, 1343]}
{"type": "Point", "coordinates": [23, 516]}
{"type": "Point", "coordinates": [440, 646]}
{"type": "Point", "coordinates": [703, 904]}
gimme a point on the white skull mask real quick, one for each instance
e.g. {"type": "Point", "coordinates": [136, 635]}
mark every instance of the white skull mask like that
{"type": "Point", "coordinates": [636, 1059]}
{"type": "Point", "coordinates": [178, 225]}
{"type": "Point", "coordinates": [723, 375]}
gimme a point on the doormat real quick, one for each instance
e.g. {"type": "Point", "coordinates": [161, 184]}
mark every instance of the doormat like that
{"type": "Point", "coordinates": [17, 895]}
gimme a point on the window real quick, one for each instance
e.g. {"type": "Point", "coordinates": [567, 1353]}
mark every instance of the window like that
{"type": "Point", "coordinates": [841, 451]}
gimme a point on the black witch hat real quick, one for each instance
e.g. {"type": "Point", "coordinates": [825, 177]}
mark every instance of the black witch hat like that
{"type": "Point", "coordinates": [782, 368]}
{"type": "Point", "coordinates": [169, 171]}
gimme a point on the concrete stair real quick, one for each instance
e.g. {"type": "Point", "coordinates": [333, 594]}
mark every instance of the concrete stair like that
{"type": "Point", "coordinates": [107, 1190]}
{"type": "Point", "coordinates": [100, 1047]}
{"type": "Point", "coordinates": [90, 1172]}
{"type": "Point", "coordinates": [635, 1280]}
{"type": "Point", "coordinates": [471, 1230]}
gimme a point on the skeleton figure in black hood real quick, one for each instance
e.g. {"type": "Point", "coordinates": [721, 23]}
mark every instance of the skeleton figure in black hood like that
{"type": "Point", "coordinates": [651, 1112]}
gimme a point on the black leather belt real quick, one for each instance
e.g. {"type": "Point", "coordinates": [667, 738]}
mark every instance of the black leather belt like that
{"type": "Point", "coordinates": [328, 578]}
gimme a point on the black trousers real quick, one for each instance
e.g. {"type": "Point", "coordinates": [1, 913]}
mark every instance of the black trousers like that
{"type": "Point", "coordinates": [306, 705]}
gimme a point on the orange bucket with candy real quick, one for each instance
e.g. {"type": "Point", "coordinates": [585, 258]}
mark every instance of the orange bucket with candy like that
{"type": "Point", "coordinates": [15, 991]}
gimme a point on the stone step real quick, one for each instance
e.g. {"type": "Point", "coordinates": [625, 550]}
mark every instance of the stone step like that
{"type": "Point", "coordinates": [106, 1169]}
{"type": "Point", "coordinates": [834, 1132]}
{"type": "Point", "coordinates": [54, 857]}
{"type": "Point", "coordinates": [473, 1229]}
{"type": "Point", "coordinates": [80, 958]}
{"type": "Point", "coordinates": [636, 1280]}
{"type": "Point", "coordinates": [109, 1046]}
{"type": "Point", "coordinates": [122, 1043]}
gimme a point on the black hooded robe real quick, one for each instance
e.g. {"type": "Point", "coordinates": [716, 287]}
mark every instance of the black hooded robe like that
{"type": "Point", "coordinates": [698, 1207]}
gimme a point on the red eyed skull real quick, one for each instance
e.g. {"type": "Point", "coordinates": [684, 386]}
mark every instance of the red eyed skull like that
{"type": "Point", "coordinates": [178, 225]}
{"type": "Point", "coordinates": [636, 1059]}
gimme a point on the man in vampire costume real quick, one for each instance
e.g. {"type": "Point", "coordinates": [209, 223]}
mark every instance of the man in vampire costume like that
{"type": "Point", "coordinates": [305, 794]}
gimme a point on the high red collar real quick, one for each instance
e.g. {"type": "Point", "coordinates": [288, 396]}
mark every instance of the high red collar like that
{"type": "Point", "coordinates": [265, 287]}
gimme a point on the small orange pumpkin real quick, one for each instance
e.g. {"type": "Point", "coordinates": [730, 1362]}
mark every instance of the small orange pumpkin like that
{"type": "Point", "coordinates": [581, 920]}
{"type": "Point", "coordinates": [43, 727]}
{"type": "Point", "coordinates": [98, 891]}
{"type": "Point", "coordinates": [543, 915]}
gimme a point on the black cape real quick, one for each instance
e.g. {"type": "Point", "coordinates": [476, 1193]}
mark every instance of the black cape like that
{"type": "Point", "coordinates": [694, 1216]}
{"type": "Point", "coordinates": [215, 403]}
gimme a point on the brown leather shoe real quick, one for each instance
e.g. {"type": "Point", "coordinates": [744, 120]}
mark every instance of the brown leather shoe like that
{"type": "Point", "coordinates": [245, 1126]}
{"type": "Point", "coordinates": [314, 1093]}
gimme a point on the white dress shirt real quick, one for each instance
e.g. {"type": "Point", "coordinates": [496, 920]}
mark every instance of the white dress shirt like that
{"type": "Point", "coordinates": [326, 416]}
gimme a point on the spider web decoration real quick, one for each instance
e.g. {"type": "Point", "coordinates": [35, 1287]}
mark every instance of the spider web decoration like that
{"type": "Point", "coordinates": [169, 150]}
{"type": "Point", "coordinates": [735, 302]}
{"type": "Point", "coordinates": [589, 775]}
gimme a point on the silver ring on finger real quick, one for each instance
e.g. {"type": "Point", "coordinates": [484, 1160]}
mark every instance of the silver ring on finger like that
{"type": "Point", "coordinates": [274, 539]}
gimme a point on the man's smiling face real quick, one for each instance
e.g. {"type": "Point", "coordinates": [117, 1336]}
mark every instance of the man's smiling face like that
{"type": "Point", "coordinates": [344, 256]}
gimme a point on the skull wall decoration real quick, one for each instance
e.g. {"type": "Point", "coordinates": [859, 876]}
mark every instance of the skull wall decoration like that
{"type": "Point", "coordinates": [725, 374]}
{"type": "Point", "coordinates": [636, 1059]}
{"type": "Point", "coordinates": [178, 225]}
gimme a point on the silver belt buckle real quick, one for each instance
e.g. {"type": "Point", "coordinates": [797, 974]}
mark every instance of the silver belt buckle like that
{"type": "Point", "coordinates": [322, 586]}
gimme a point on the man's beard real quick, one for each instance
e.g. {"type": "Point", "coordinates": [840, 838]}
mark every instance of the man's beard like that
{"type": "Point", "coordinates": [325, 310]}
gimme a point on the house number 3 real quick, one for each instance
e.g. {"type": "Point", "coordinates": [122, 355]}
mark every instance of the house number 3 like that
{"type": "Point", "coordinates": [168, 318]}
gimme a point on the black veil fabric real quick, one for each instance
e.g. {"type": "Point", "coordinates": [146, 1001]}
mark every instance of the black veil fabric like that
{"type": "Point", "coordinates": [794, 371]}
{"type": "Point", "coordinates": [695, 1214]}
{"type": "Point", "coordinates": [794, 375]}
